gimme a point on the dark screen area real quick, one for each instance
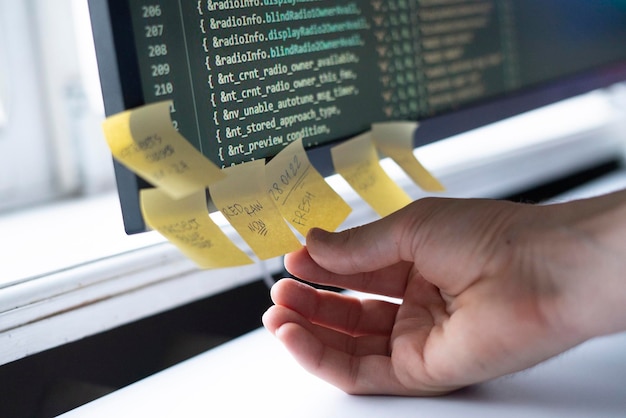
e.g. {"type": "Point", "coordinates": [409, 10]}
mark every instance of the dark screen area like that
{"type": "Point", "coordinates": [563, 37]}
{"type": "Point", "coordinates": [247, 77]}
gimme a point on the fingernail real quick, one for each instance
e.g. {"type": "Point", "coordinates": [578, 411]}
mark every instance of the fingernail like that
{"type": "Point", "coordinates": [316, 234]}
{"type": "Point", "coordinates": [265, 320]}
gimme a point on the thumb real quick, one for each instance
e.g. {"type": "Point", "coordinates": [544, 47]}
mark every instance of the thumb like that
{"type": "Point", "coordinates": [445, 239]}
{"type": "Point", "coordinates": [362, 249]}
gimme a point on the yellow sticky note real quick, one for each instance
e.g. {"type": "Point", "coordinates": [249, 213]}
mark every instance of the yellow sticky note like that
{"type": "Point", "coordinates": [395, 139]}
{"type": "Point", "coordinates": [146, 142]}
{"type": "Point", "coordinates": [300, 192]}
{"type": "Point", "coordinates": [357, 162]}
{"type": "Point", "coordinates": [242, 198]}
{"type": "Point", "coordinates": [186, 223]}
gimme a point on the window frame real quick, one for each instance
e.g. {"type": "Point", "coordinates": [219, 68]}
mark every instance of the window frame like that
{"type": "Point", "coordinates": [129, 278]}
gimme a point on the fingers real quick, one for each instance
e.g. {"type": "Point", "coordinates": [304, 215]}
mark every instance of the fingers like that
{"type": "Point", "coordinates": [336, 338]}
{"type": "Point", "coordinates": [360, 375]}
{"type": "Point", "coordinates": [277, 316]}
{"type": "Point", "coordinates": [345, 314]}
{"type": "Point", "coordinates": [390, 282]}
{"type": "Point", "coordinates": [356, 365]}
{"type": "Point", "coordinates": [348, 342]}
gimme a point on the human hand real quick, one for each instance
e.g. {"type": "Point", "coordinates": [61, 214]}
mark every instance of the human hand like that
{"type": "Point", "coordinates": [485, 288]}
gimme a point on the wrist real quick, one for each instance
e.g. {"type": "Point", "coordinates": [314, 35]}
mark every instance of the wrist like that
{"type": "Point", "coordinates": [591, 263]}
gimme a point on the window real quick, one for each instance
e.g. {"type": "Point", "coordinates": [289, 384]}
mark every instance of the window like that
{"type": "Point", "coordinates": [65, 256]}
{"type": "Point", "coordinates": [50, 145]}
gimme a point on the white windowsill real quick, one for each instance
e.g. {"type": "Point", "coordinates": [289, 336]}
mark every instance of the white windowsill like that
{"type": "Point", "coordinates": [51, 238]}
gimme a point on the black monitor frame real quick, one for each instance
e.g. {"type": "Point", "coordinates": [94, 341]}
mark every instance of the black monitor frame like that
{"type": "Point", "coordinates": [121, 86]}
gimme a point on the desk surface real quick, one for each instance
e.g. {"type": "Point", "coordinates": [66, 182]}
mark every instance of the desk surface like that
{"type": "Point", "coordinates": [254, 376]}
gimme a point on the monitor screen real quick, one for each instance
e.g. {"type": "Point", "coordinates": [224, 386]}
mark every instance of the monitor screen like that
{"type": "Point", "coordinates": [248, 77]}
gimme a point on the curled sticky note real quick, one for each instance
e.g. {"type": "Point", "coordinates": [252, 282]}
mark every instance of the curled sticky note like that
{"type": "Point", "coordinates": [186, 223]}
{"type": "Point", "coordinates": [357, 162]}
{"type": "Point", "coordinates": [300, 192]}
{"type": "Point", "coordinates": [395, 140]}
{"type": "Point", "coordinates": [242, 198]}
{"type": "Point", "coordinates": [145, 141]}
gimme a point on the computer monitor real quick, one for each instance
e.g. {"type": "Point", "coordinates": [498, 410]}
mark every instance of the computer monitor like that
{"type": "Point", "coordinates": [247, 77]}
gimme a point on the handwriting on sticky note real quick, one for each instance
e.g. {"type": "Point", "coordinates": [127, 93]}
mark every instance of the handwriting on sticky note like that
{"type": "Point", "coordinates": [395, 139]}
{"type": "Point", "coordinates": [356, 161]}
{"type": "Point", "coordinates": [145, 141]}
{"type": "Point", "coordinates": [242, 198]}
{"type": "Point", "coordinates": [301, 194]}
{"type": "Point", "coordinates": [186, 223]}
